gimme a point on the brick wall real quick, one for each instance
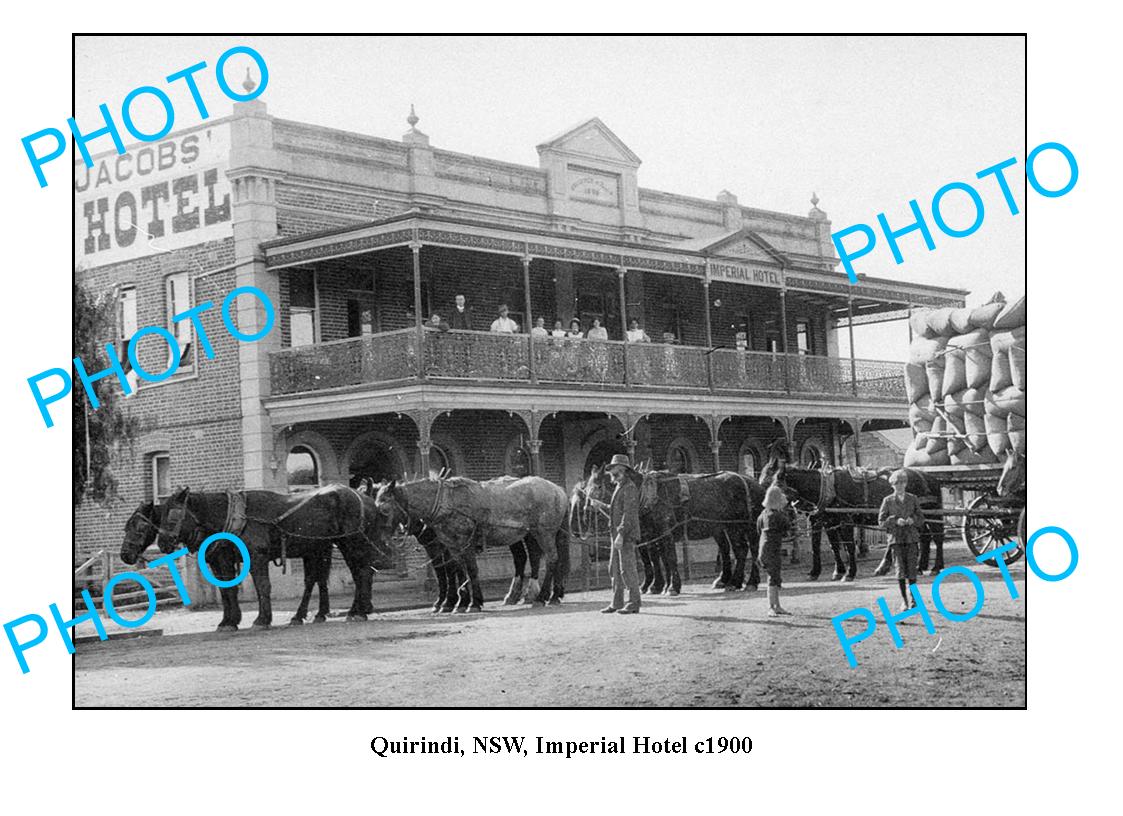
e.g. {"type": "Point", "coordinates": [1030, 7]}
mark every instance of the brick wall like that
{"type": "Point", "coordinates": [196, 419]}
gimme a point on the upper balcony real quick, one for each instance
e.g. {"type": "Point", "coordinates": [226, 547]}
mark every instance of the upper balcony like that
{"type": "Point", "coordinates": [391, 358]}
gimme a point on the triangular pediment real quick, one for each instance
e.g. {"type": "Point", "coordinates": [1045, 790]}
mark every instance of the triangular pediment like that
{"type": "Point", "coordinates": [743, 245]}
{"type": "Point", "coordinates": [592, 139]}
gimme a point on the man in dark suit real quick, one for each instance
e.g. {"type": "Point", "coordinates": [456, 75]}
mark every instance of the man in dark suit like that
{"type": "Point", "coordinates": [461, 315]}
{"type": "Point", "coordinates": [624, 513]}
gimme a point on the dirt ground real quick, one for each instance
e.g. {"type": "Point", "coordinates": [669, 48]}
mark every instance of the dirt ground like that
{"type": "Point", "coordinates": [703, 648]}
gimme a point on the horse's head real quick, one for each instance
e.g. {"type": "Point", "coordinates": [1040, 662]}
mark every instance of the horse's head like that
{"type": "Point", "coordinates": [140, 532]}
{"type": "Point", "coordinates": [178, 525]}
{"type": "Point", "coordinates": [774, 470]}
{"type": "Point", "coordinates": [390, 504]}
{"type": "Point", "coordinates": [1013, 477]}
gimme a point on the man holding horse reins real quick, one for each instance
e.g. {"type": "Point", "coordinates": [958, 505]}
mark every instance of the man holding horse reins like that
{"type": "Point", "coordinates": [624, 515]}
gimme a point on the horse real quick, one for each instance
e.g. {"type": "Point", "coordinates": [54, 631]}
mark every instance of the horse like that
{"type": "Point", "coordinates": [722, 505]}
{"type": "Point", "coordinates": [141, 530]}
{"type": "Point", "coordinates": [819, 489]}
{"type": "Point", "coordinates": [452, 587]}
{"type": "Point", "coordinates": [277, 526]}
{"type": "Point", "coordinates": [464, 513]}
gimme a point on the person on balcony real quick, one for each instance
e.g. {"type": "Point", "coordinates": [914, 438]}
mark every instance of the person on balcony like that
{"type": "Point", "coordinates": [539, 330]}
{"type": "Point", "coordinates": [636, 334]}
{"type": "Point", "coordinates": [558, 332]}
{"type": "Point", "coordinates": [575, 332]}
{"type": "Point", "coordinates": [597, 332]}
{"type": "Point", "coordinates": [504, 324]}
{"type": "Point", "coordinates": [462, 315]}
{"type": "Point", "coordinates": [437, 323]}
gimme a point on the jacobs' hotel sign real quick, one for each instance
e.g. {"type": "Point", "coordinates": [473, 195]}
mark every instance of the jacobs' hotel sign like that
{"type": "Point", "coordinates": [174, 193]}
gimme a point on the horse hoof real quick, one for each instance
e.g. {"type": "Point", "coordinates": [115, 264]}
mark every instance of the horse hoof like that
{"type": "Point", "coordinates": [555, 601]}
{"type": "Point", "coordinates": [226, 627]}
{"type": "Point", "coordinates": [751, 587]}
{"type": "Point", "coordinates": [848, 578]}
{"type": "Point", "coordinates": [475, 609]}
{"type": "Point", "coordinates": [731, 588]}
{"type": "Point", "coordinates": [257, 625]}
{"type": "Point", "coordinates": [837, 576]}
{"type": "Point", "coordinates": [356, 618]}
{"type": "Point", "coordinates": [658, 591]}
{"type": "Point", "coordinates": [813, 576]}
{"type": "Point", "coordinates": [672, 592]}
{"type": "Point", "coordinates": [718, 584]}
{"type": "Point", "coordinates": [460, 610]}
{"type": "Point", "coordinates": [296, 622]}
{"type": "Point", "coordinates": [446, 610]}
{"type": "Point", "coordinates": [320, 619]}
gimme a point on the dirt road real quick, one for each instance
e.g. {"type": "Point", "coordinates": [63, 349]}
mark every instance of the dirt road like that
{"type": "Point", "coordinates": [703, 648]}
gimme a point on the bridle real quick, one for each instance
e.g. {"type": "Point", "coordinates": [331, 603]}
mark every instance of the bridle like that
{"type": "Point", "coordinates": [175, 517]}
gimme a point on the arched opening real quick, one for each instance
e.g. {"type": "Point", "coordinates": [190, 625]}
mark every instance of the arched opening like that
{"type": "Point", "coordinates": [812, 455]}
{"type": "Point", "coordinates": [602, 453]}
{"type": "Point", "coordinates": [374, 460]}
{"type": "Point", "coordinates": [302, 469]}
{"type": "Point", "coordinates": [679, 459]}
{"type": "Point", "coordinates": [751, 458]}
{"type": "Point", "coordinates": [438, 461]}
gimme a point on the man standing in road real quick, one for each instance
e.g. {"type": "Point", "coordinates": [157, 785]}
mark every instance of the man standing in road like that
{"type": "Point", "coordinates": [624, 513]}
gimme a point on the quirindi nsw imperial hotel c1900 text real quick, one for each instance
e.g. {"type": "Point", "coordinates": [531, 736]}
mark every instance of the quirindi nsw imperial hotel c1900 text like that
{"type": "Point", "coordinates": [358, 240]}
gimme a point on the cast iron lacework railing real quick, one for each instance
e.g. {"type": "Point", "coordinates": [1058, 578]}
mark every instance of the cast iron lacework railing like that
{"type": "Point", "coordinates": [485, 357]}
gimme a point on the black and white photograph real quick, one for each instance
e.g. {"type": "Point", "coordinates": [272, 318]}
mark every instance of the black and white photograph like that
{"type": "Point", "coordinates": [530, 394]}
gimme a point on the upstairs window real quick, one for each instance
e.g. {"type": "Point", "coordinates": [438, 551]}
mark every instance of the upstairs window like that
{"type": "Point", "coordinates": [160, 472]}
{"type": "Point", "coordinates": [178, 299]}
{"type": "Point", "coordinates": [803, 337]}
{"type": "Point", "coordinates": [126, 328]}
{"type": "Point", "coordinates": [302, 309]}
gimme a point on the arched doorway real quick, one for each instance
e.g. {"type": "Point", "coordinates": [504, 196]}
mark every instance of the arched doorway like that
{"type": "Point", "coordinates": [602, 453]}
{"type": "Point", "coordinates": [373, 459]}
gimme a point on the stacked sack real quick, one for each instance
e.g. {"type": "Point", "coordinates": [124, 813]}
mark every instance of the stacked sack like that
{"type": "Point", "coordinates": [966, 384]}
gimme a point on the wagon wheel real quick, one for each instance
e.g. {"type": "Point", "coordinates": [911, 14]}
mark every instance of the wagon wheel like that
{"type": "Point", "coordinates": [1023, 529]}
{"type": "Point", "coordinates": [984, 534]}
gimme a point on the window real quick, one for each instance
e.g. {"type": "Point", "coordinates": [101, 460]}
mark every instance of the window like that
{"type": "Point", "coordinates": [360, 316]}
{"type": "Point", "coordinates": [178, 299]}
{"type": "Point", "coordinates": [302, 309]}
{"type": "Point", "coordinates": [803, 337]}
{"type": "Point", "coordinates": [126, 328]}
{"type": "Point", "coordinates": [160, 482]}
{"type": "Point", "coordinates": [303, 472]}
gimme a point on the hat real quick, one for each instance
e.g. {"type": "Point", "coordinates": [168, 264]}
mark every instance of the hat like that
{"type": "Point", "coordinates": [620, 460]}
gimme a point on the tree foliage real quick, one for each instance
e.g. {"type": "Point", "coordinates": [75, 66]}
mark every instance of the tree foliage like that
{"type": "Point", "coordinates": [111, 427]}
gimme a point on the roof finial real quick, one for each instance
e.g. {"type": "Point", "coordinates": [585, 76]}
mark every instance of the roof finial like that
{"type": "Point", "coordinates": [413, 118]}
{"type": "Point", "coordinates": [248, 82]}
{"type": "Point", "coordinates": [814, 199]}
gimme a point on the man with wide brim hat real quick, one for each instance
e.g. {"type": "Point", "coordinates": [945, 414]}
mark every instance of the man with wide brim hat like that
{"type": "Point", "coordinates": [624, 515]}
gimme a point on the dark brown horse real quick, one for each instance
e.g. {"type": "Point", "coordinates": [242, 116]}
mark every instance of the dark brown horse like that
{"type": "Point", "coordinates": [723, 506]}
{"type": "Point", "coordinates": [465, 514]}
{"type": "Point", "coordinates": [279, 526]}
{"type": "Point", "coordinates": [818, 490]}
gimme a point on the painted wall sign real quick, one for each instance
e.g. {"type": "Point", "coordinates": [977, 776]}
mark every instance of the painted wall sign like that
{"type": "Point", "coordinates": [752, 275]}
{"type": "Point", "coordinates": [175, 191]}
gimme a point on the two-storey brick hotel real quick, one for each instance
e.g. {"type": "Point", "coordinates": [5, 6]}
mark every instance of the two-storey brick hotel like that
{"type": "Point", "coordinates": [358, 240]}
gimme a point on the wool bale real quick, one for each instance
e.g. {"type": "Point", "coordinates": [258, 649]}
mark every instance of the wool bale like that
{"type": "Point", "coordinates": [916, 382]}
{"type": "Point", "coordinates": [955, 371]}
{"type": "Point", "coordinates": [1000, 374]}
{"type": "Point", "coordinates": [921, 417]}
{"type": "Point", "coordinates": [954, 424]}
{"type": "Point", "coordinates": [997, 438]}
{"type": "Point", "coordinates": [939, 322]}
{"type": "Point", "coordinates": [921, 458]}
{"type": "Point", "coordinates": [953, 403]}
{"type": "Point", "coordinates": [983, 317]}
{"type": "Point", "coordinates": [1010, 400]}
{"type": "Point", "coordinates": [979, 354]}
{"type": "Point", "coordinates": [918, 320]}
{"type": "Point", "coordinates": [936, 440]}
{"type": "Point", "coordinates": [973, 400]}
{"type": "Point", "coordinates": [974, 425]}
{"type": "Point", "coordinates": [1016, 428]}
{"type": "Point", "coordinates": [1018, 358]}
{"type": "Point", "coordinates": [960, 321]}
{"type": "Point", "coordinates": [924, 349]}
{"type": "Point", "coordinates": [955, 447]}
{"type": "Point", "coordinates": [1013, 316]}
{"type": "Point", "coordinates": [934, 368]}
